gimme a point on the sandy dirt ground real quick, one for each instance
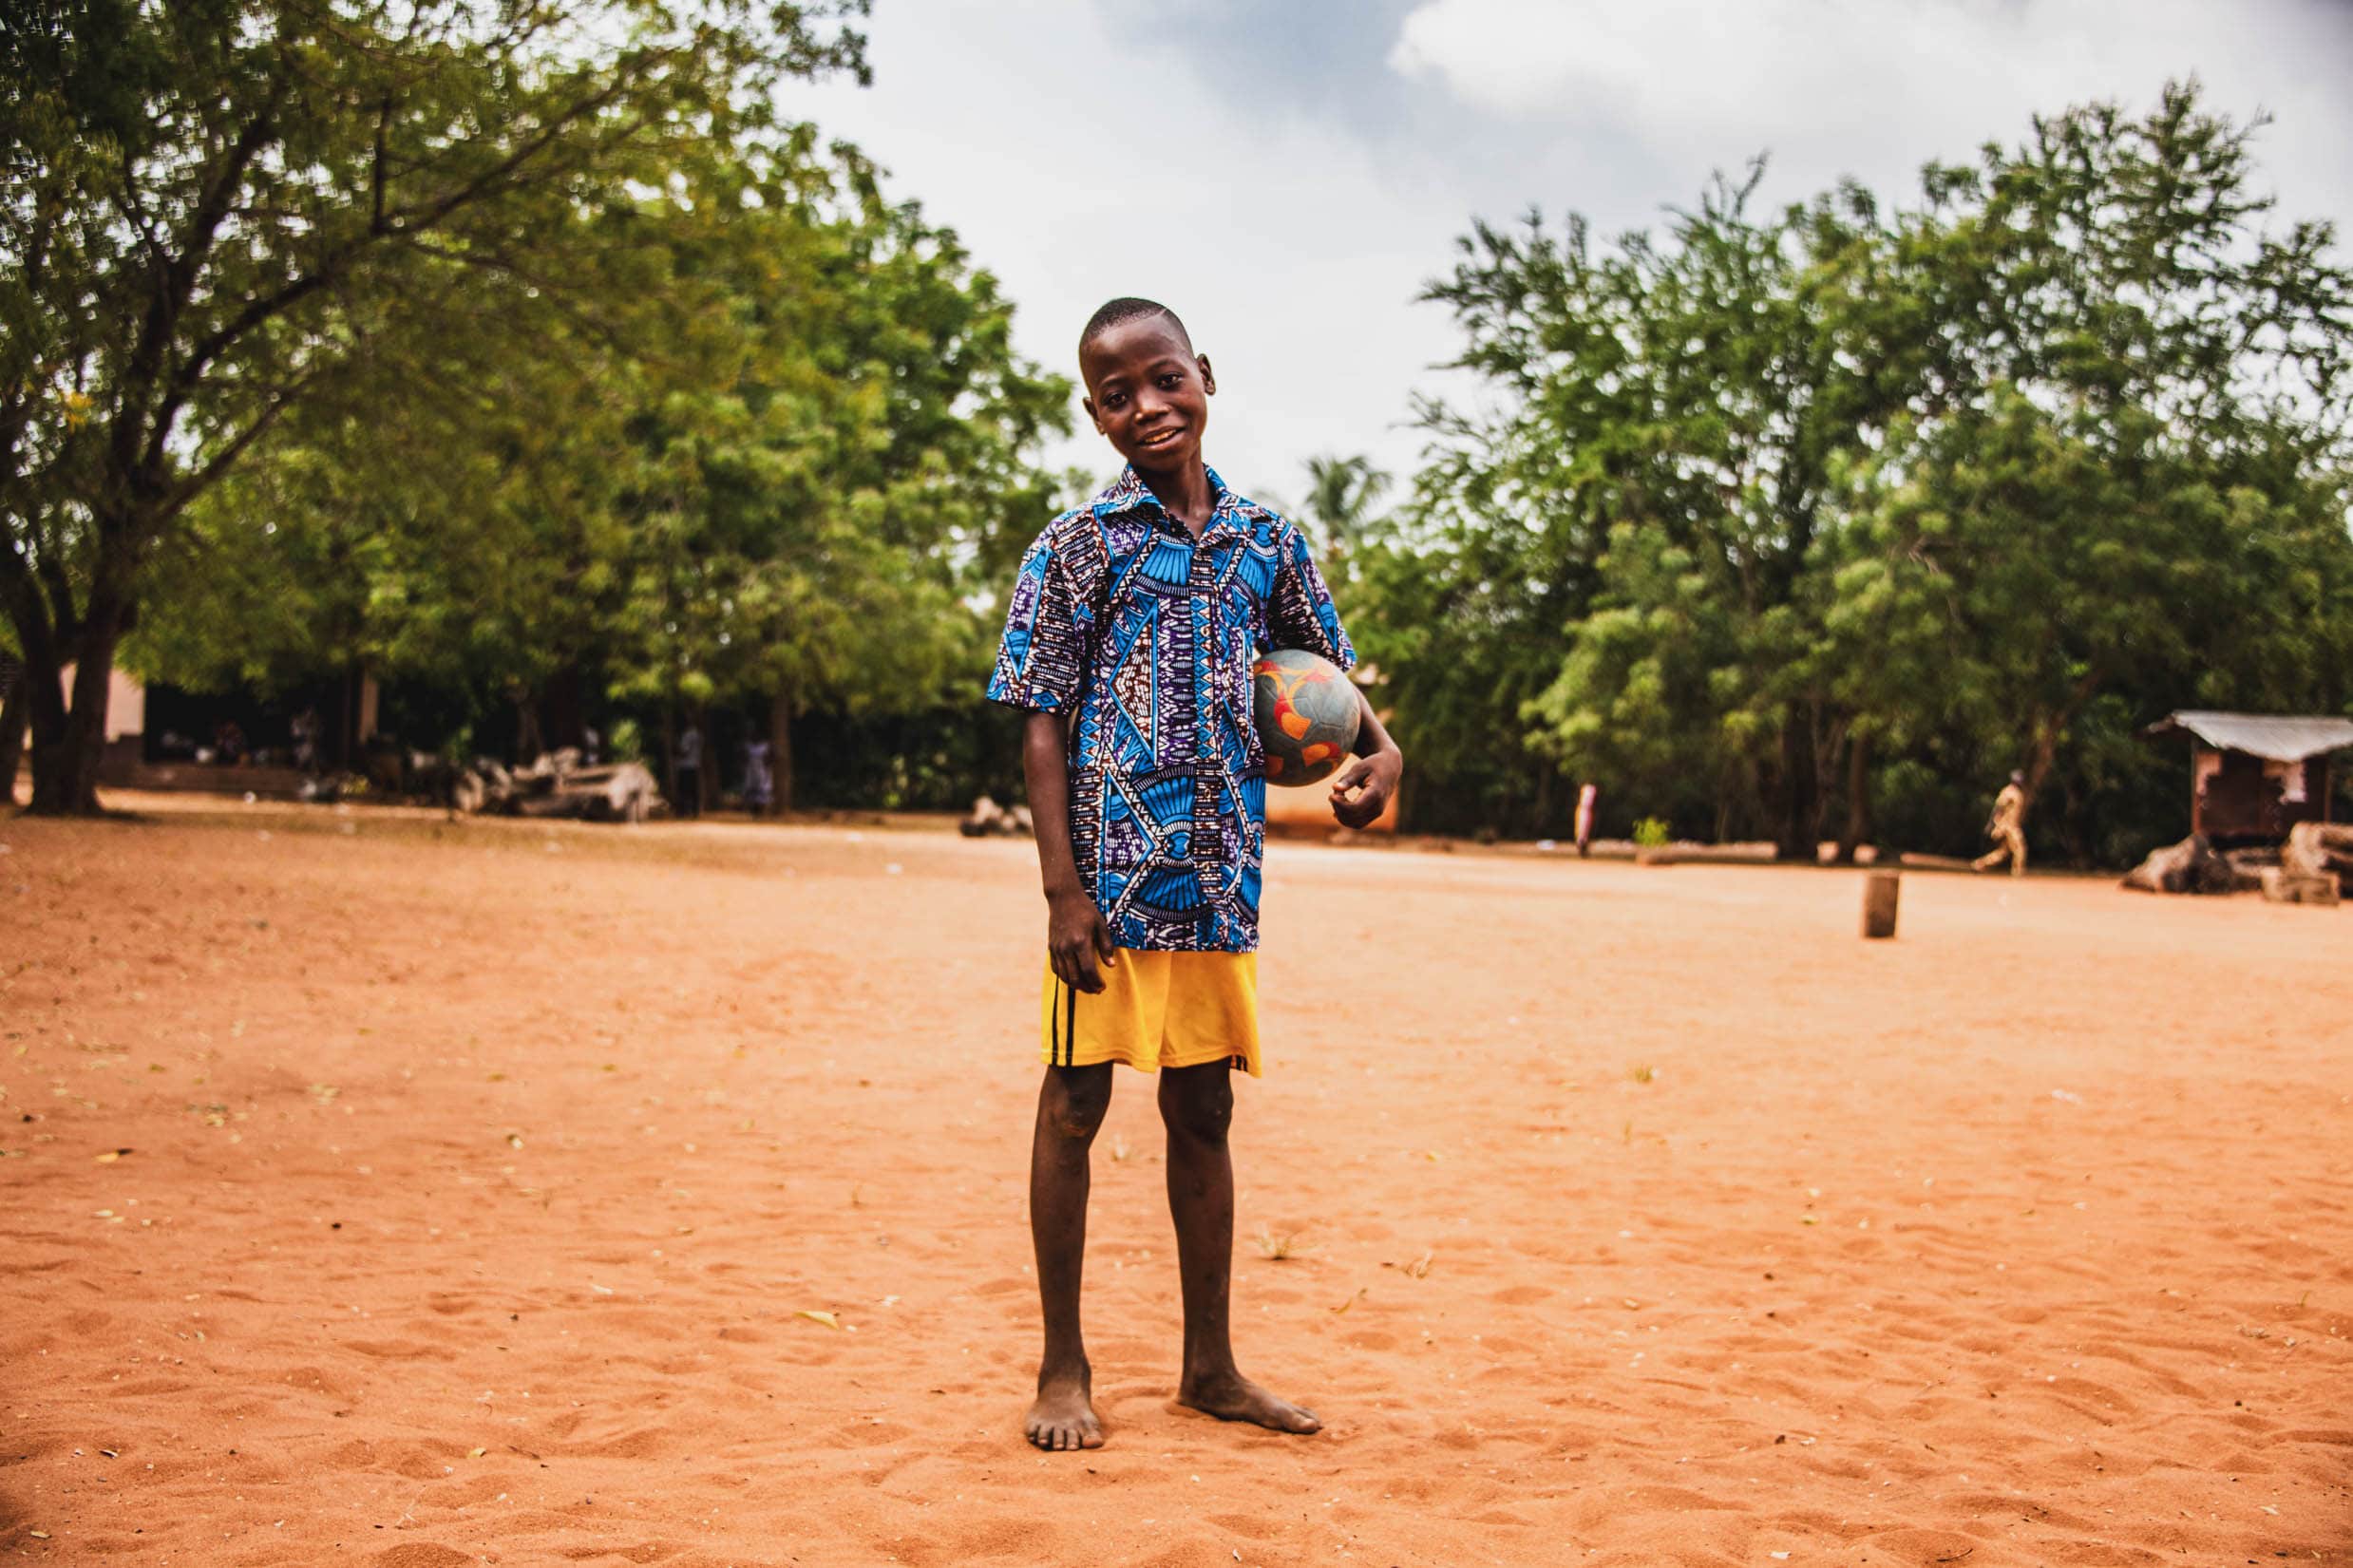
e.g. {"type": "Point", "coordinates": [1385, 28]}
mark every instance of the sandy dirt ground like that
{"type": "Point", "coordinates": [378, 1191]}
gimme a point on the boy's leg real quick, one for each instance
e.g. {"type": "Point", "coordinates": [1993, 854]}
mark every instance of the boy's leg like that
{"type": "Point", "coordinates": [1197, 1104]}
{"type": "Point", "coordinates": [1069, 1109]}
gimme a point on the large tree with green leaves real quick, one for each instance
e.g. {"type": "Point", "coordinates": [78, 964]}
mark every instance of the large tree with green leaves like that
{"type": "Point", "coordinates": [2120, 484]}
{"type": "Point", "coordinates": [764, 481]}
{"type": "Point", "coordinates": [1849, 491]}
{"type": "Point", "coordinates": [211, 206]}
{"type": "Point", "coordinates": [816, 493]}
{"type": "Point", "coordinates": [1651, 470]}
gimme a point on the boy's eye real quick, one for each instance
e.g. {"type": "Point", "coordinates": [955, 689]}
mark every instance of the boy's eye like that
{"type": "Point", "coordinates": [1114, 400]}
{"type": "Point", "coordinates": [1170, 382]}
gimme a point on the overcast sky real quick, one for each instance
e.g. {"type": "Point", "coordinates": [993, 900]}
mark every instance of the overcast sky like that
{"type": "Point", "coordinates": [1286, 174]}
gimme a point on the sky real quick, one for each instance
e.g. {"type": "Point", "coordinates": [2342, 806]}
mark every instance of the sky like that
{"type": "Point", "coordinates": [1289, 173]}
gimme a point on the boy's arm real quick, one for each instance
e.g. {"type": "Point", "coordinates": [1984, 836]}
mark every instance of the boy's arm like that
{"type": "Point", "coordinates": [1077, 935]}
{"type": "Point", "coordinates": [1360, 791]}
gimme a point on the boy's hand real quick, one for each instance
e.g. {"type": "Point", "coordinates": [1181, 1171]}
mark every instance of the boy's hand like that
{"type": "Point", "coordinates": [1076, 939]}
{"type": "Point", "coordinates": [1360, 791]}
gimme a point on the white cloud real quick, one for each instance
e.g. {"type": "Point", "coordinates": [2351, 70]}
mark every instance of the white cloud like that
{"type": "Point", "coordinates": [1875, 88]}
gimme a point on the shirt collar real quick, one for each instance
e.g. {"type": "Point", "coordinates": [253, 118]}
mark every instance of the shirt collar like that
{"type": "Point", "coordinates": [1129, 493]}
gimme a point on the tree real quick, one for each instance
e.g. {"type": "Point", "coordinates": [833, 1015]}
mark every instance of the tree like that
{"type": "Point", "coordinates": [1850, 496]}
{"type": "Point", "coordinates": [210, 206]}
{"type": "Point", "coordinates": [14, 694]}
{"type": "Point", "coordinates": [1673, 404]}
{"type": "Point", "coordinates": [1342, 493]}
{"type": "Point", "coordinates": [2126, 477]}
{"type": "Point", "coordinates": [762, 480]}
{"type": "Point", "coordinates": [841, 431]}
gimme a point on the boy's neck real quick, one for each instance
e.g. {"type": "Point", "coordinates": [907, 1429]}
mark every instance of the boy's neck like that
{"type": "Point", "coordinates": [1184, 494]}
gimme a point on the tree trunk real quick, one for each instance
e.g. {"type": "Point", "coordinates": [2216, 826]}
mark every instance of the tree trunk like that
{"type": "Point", "coordinates": [780, 741]}
{"type": "Point", "coordinates": [69, 742]}
{"type": "Point", "coordinates": [562, 720]}
{"type": "Point", "coordinates": [1801, 788]}
{"type": "Point", "coordinates": [528, 743]}
{"type": "Point", "coordinates": [2072, 827]}
{"type": "Point", "coordinates": [706, 772]}
{"type": "Point", "coordinates": [12, 717]}
{"type": "Point", "coordinates": [1858, 797]}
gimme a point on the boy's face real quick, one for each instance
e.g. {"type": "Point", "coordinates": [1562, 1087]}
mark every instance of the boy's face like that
{"type": "Point", "coordinates": [1149, 393]}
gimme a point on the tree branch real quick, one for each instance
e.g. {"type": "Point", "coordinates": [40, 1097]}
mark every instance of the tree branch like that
{"type": "Point", "coordinates": [196, 484]}
{"type": "Point", "coordinates": [402, 221]}
{"type": "Point", "coordinates": [431, 213]}
{"type": "Point", "coordinates": [176, 285]}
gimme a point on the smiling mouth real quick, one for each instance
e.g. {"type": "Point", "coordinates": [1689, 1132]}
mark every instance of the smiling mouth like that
{"type": "Point", "coordinates": [1160, 438]}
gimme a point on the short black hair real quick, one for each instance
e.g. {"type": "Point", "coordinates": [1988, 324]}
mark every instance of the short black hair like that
{"type": "Point", "coordinates": [1118, 313]}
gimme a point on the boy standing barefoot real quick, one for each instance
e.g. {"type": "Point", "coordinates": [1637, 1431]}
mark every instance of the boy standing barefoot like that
{"type": "Point", "coordinates": [1128, 641]}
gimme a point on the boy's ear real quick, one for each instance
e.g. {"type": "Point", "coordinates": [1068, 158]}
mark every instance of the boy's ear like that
{"type": "Point", "coordinates": [1087, 403]}
{"type": "Point", "coordinates": [1209, 377]}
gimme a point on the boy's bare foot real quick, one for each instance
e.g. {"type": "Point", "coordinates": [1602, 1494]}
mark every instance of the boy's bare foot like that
{"type": "Point", "coordinates": [1064, 1417]}
{"type": "Point", "coordinates": [1231, 1396]}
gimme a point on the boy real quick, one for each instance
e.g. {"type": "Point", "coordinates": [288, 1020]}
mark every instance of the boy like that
{"type": "Point", "coordinates": [1133, 625]}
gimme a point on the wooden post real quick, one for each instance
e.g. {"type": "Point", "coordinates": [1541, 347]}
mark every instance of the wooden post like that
{"type": "Point", "coordinates": [1879, 894]}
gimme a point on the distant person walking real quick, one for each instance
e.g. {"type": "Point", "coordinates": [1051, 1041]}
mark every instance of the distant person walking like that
{"type": "Point", "coordinates": [305, 730]}
{"type": "Point", "coordinates": [759, 781]}
{"type": "Point", "coordinates": [1585, 797]}
{"type": "Point", "coordinates": [2006, 827]}
{"type": "Point", "coordinates": [689, 757]}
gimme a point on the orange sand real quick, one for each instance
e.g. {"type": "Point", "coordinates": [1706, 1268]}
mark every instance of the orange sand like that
{"type": "Point", "coordinates": [476, 1176]}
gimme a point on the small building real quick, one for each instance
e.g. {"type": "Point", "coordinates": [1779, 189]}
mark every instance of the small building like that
{"type": "Point", "coordinates": [2253, 776]}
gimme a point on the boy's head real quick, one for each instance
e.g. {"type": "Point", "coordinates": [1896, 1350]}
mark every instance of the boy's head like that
{"type": "Point", "coordinates": [1147, 391]}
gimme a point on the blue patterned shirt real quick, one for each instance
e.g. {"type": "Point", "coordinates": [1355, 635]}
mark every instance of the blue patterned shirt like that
{"type": "Point", "coordinates": [1119, 613]}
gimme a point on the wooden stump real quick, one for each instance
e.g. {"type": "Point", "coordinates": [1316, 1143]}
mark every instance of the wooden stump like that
{"type": "Point", "coordinates": [2285, 886]}
{"type": "Point", "coordinates": [2320, 849]}
{"type": "Point", "coordinates": [1879, 894]}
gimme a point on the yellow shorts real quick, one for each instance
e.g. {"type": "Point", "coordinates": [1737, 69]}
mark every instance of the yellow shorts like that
{"type": "Point", "coordinates": [1157, 1010]}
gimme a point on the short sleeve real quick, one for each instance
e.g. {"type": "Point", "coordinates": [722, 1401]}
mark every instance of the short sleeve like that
{"type": "Point", "coordinates": [1041, 657]}
{"type": "Point", "coordinates": [1299, 612]}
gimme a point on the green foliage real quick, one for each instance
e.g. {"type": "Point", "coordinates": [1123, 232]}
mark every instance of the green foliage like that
{"type": "Point", "coordinates": [1766, 515]}
{"type": "Point", "coordinates": [754, 450]}
{"type": "Point", "coordinates": [1652, 833]}
{"type": "Point", "coordinates": [221, 216]}
{"type": "Point", "coordinates": [1342, 493]}
{"type": "Point", "coordinates": [815, 491]}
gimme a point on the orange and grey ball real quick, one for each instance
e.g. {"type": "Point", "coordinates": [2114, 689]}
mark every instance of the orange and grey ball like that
{"type": "Point", "coordinates": [1306, 711]}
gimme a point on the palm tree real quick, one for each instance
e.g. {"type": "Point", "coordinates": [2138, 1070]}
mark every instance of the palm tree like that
{"type": "Point", "coordinates": [1341, 493]}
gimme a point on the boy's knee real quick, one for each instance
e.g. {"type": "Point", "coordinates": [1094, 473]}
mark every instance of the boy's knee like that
{"type": "Point", "coordinates": [1077, 1100]}
{"type": "Point", "coordinates": [1203, 1112]}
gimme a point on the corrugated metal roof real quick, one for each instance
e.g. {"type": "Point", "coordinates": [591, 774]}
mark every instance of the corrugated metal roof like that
{"type": "Point", "coordinates": [2279, 737]}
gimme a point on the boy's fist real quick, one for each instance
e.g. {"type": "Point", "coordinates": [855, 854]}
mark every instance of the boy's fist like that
{"type": "Point", "coordinates": [1360, 791]}
{"type": "Point", "coordinates": [1076, 939]}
